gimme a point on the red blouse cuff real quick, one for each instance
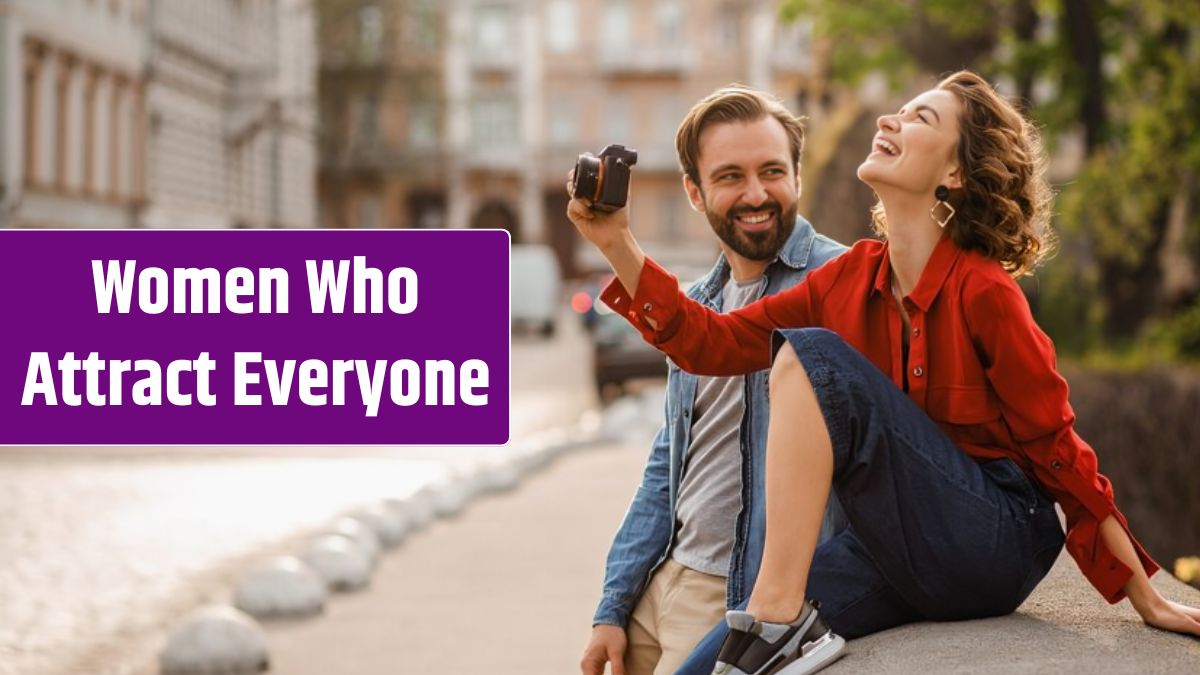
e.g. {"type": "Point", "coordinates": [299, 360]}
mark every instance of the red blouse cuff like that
{"type": "Point", "coordinates": [1103, 569]}
{"type": "Point", "coordinates": [654, 305]}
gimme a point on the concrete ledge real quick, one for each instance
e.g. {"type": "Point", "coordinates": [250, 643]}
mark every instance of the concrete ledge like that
{"type": "Point", "coordinates": [1064, 627]}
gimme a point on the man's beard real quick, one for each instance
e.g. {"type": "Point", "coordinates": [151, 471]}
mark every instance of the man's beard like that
{"type": "Point", "coordinates": [758, 246]}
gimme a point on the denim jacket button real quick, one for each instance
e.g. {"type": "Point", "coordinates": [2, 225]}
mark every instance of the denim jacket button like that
{"type": "Point", "coordinates": [918, 371]}
{"type": "Point", "coordinates": [916, 332]}
{"type": "Point", "coordinates": [1056, 464]}
{"type": "Point", "coordinates": [647, 307]}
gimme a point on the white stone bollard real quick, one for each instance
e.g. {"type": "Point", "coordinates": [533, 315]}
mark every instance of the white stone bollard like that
{"type": "Point", "coordinates": [451, 497]}
{"type": "Point", "coordinates": [215, 641]}
{"type": "Point", "coordinates": [390, 525]}
{"type": "Point", "coordinates": [619, 417]}
{"type": "Point", "coordinates": [281, 587]}
{"type": "Point", "coordinates": [361, 534]}
{"type": "Point", "coordinates": [339, 561]}
{"type": "Point", "coordinates": [502, 476]}
{"type": "Point", "coordinates": [417, 510]}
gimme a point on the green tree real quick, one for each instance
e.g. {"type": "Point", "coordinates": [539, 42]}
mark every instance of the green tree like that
{"type": "Point", "coordinates": [1123, 79]}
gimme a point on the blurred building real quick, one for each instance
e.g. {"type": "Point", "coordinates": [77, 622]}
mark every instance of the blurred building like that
{"type": "Point", "coordinates": [232, 114]}
{"type": "Point", "coordinates": [157, 113]}
{"type": "Point", "coordinates": [73, 115]}
{"type": "Point", "coordinates": [469, 113]}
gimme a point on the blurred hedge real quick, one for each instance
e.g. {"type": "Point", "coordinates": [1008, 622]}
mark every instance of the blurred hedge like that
{"type": "Point", "coordinates": [1144, 427]}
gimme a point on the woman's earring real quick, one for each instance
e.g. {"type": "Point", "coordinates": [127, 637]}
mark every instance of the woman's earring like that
{"type": "Point", "coordinates": [942, 193]}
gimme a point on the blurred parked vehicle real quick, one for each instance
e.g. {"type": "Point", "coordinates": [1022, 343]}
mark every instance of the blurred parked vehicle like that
{"type": "Point", "coordinates": [535, 289]}
{"type": "Point", "coordinates": [620, 354]}
{"type": "Point", "coordinates": [585, 297]}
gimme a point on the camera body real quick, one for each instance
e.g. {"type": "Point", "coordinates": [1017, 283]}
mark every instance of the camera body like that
{"type": "Point", "coordinates": [604, 179]}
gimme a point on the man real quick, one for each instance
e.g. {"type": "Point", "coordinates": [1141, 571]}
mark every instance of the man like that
{"type": "Point", "coordinates": [690, 545]}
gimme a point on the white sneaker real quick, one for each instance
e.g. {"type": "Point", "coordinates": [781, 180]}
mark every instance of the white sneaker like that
{"type": "Point", "coordinates": [761, 648]}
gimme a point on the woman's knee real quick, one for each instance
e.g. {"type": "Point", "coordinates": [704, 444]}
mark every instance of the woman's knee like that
{"type": "Point", "coordinates": [786, 368]}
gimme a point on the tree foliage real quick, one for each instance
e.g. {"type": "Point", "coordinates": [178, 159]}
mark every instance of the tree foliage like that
{"type": "Point", "coordinates": [1120, 79]}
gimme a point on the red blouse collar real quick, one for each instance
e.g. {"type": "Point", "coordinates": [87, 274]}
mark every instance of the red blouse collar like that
{"type": "Point", "coordinates": [933, 277]}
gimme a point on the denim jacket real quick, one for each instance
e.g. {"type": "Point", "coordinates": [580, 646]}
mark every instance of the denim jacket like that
{"type": "Point", "coordinates": [644, 539]}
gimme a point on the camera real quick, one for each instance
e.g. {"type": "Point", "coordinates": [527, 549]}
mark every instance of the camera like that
{"type": "Point", "coordinates": [604, 178]}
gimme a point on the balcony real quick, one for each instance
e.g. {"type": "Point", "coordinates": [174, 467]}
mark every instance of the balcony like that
{"type": "Point", "coordinates": [499, 157]}
{"type": "Point", "coordinates": [378, 158]}
{"type": "Point", "coordinates": [645, 60]}
{"type": "Point", "coordinates": [501, 61]}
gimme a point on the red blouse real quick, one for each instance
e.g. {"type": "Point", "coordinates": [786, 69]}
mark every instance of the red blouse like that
{"type": "Point", "coordinates": [978, 365]}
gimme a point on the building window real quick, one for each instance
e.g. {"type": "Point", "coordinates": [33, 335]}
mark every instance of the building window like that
{"type": "Point", "coordinates": [427, 210]}
{"type": "Point", "coordinates": [101, 124]}
{"type": "Point", "coordinates": [669, 16]}
{"type": "Point", "coordinates": [369, 212]}
{"type": "Point", "coordinates": [670, 112]}
{"type": "Point", "coordinates": [33, 75]}
{"type": "Point", "coordinates": [62, 119]}
{"type": "Point", "coordinates": [370, 32]}
{"type": "Point", "coordinates": [615, 26]}
{"type": "Point", "coordinates": [76, 138]}
{"type": "Point", "coordinates": [88, 179]}
{"type": "Point", "coordinates": [562, 25]}
{"type": "Point", "coordinates": [421, 26]}
{"type": "Point", "coordinates": [564, 123]}
{"type": "Point", "coordinates": [794, 44]}
{"type": "Point", "coordinates": [617, 115]}
{"type": "Point", "coordinates": [493, 29]}
{"type": "Point", "coordinates": [118, 139]}
{"type": "Point", "coordinates": [367, 122]}
{"type": "Point", "coordinates": [729, 28]}
{"type": "Point", "coordinates": [47, 138]}
{"type": "Point", "coordinates": [494, 122]}
{"type": "Point", "coordinates": [670, 215]}
{"type": "Point", "coordinates": [423, 124]}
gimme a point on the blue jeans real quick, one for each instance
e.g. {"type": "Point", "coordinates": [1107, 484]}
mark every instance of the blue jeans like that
{"type": "Point", "coordinates": [933, 534]}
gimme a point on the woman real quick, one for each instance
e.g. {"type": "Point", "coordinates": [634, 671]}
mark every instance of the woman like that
{"type": "Point", "coordinates": [932, 404]}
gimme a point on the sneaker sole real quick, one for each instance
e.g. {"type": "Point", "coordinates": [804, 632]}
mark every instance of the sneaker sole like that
{"type": "Point", "coordinates": [821, 653]}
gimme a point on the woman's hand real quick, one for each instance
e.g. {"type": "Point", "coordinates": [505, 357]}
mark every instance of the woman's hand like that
{"type": "Point", "coordinates": [1173, 616]}
{"type": "Point", "coordinates": [1154, 609]}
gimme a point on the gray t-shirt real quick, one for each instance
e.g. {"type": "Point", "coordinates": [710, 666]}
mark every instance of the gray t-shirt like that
{"type": "Point", "coordinates": [710, 492]}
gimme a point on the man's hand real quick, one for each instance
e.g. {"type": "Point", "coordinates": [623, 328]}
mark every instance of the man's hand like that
{"type": "Point", "coordinates": [606, 646]}
{"type": "Point", "coordinates": [610, 233]}
{"type": "Point", "coordinates": [601, 228]}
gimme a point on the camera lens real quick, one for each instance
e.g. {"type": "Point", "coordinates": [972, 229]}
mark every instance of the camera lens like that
{"type": "Point", "coordinates": [587, 177]}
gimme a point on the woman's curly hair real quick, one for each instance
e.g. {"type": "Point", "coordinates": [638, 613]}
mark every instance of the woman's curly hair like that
{"type": "Point", "coordinates": [1003, 207]}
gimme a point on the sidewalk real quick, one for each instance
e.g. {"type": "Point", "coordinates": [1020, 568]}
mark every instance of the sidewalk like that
{"type": "Point", "coordinates": [509, 588]}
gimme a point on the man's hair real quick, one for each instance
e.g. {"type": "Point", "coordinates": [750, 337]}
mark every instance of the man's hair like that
{"type": "Point", "coordinates": [733, 103]}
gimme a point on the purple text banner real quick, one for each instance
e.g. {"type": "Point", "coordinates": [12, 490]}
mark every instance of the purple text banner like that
{"type": "Point", "coordinates": [224, 337]}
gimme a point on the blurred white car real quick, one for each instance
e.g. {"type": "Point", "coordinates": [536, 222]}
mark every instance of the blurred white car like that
{"type": "Point", "coordinates": [536, 288]}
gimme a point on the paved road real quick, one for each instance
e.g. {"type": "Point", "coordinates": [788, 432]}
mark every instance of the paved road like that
{"type": "Point", "coordinates": [104, 546]}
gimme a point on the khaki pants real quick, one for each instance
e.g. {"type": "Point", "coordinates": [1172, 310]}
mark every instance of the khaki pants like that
{"type": "Point", "coordinates": [678, 608]}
